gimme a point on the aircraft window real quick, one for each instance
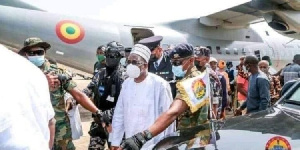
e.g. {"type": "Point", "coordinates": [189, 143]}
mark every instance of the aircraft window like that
{"type": "Point", "coordinates": [244, 51]}
{"type": "Point", "coordinates": [218, 48]}
{"type": "Point", "coordinates": [209, 47]}
{"type": "Point", "coordinates": [247, 37]}
{"type": "Point", "coordinates": [227, 51]}
{"type": "Point", "coordinates": [235, 51]}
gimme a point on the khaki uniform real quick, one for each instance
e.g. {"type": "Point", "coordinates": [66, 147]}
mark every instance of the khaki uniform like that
{"type": "Point", "coordinates": [63, 134]}
{"type": "Point", "coordinates": [192, 118]}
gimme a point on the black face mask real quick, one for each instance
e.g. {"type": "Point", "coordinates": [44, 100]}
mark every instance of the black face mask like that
{"type": "Point", "coordinates": [197, 64]}
{"type": "Point", "coordinates": [153, 58]}
{"type": "Point", "coordinates": [112, 62]}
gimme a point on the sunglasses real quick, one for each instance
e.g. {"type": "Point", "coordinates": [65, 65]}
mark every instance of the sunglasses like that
{"type": "Point", "coordinates": [37, 52]}
{"type": "Point", "coordinates": [113, 55]}
{"type": "Point", "coordinates": [178, 62]}
{"type": "Point", "coordinates": [134, 62]}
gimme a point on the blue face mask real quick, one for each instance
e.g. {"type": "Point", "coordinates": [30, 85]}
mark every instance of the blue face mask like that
{"type": "Point", "coordinates": [37, 60]}
{"type": "Point", "coordinates": [178, 71]}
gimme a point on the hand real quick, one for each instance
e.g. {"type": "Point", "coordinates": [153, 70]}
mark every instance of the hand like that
{"type": "Point", "coordinates": [238, 112]}
{"type": "Point", "coordinates": [108, 128]}
{"type": "Point", "coordinates": [135, 142]}
{"type": "Point", "coordinates": [69, 104]}
{"type": "Point", "coordinates": [53, 81]}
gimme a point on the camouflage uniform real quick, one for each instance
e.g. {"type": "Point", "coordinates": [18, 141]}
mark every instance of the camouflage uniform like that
{"type": "Point", "coordinates": [63, 134]}
{"type": "Point", "coordinates": [200, 117]}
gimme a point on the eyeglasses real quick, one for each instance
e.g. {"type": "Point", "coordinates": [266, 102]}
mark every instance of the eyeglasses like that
{"type": "Point", "coordinates": [37, 52]}
{"type": "Point", "coordinates": [134, 62]}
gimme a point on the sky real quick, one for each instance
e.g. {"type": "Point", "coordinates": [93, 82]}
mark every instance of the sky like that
{"type": "Point", "coordinates": [137, 11]}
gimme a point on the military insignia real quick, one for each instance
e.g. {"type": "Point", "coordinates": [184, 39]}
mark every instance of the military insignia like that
{"type": "Point", "coordinates": [199, 88]}
{"type": "Point", "coordinates": [278, 143]}
{"type": "Point", "coordinates": [176, 55]}
{"type": "Point", "coordinates": [69, 31]}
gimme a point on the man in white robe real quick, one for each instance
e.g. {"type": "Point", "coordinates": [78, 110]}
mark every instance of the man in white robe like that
{"type": "Point", "coordinates": [143, 98]}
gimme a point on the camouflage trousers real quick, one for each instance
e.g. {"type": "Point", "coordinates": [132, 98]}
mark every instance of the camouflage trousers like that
{"type": "Point", "coordinates": [98, 137]}
{"type": "Point", "coordinates": [65, 144]}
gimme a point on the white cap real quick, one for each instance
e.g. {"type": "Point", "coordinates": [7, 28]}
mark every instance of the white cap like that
{"type": "Point", "coordinates": [142, 51]}
{"type": "Point", "coordinates": [212, 59]}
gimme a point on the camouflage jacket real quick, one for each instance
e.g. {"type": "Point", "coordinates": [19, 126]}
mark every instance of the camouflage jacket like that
{"type": "Point", "coordinates": [62, 127]}
{"type": "Point", "coordinates": [200, 117]}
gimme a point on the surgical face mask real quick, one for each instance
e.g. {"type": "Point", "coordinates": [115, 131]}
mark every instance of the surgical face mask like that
{"type": "Point", "coordinates": [123, 62]}
{"type": "Point", "coordinates": [112, 62]}
{"type": "Point", "coordinates": [265, 70]}
{"type": "Point", "coordinates": [37, 60]}
{"type": "Point", "coordinates": [178, 71]}
{"type": "Point", "coordinates": [245, 69]}
{"type": "Point", "coordinates": [100, 58]}
{"type": "Point", "coordinates": [133, 71]}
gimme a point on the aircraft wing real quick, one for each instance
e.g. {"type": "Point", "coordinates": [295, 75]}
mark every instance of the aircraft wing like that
{"type": "Point", "coordinates": [236, 17]}
{"type": "Point", "coordinates": [18, 4]}
{"type": "Point", "coordinates": [281, 15]}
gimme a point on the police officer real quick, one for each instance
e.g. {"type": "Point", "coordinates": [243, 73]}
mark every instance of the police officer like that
{"type": "Point", "coordinates": [189, 111]}
{"type": "Point", "coordinates": [159, 62]}
{"type": "Point", "coordinates": [105, 88]}
{"type": "Point", "coordinates": [59, 83]}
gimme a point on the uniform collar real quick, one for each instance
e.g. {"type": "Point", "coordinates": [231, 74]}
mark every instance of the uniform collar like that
{"type": "Point", "coordinates": [160, 59]}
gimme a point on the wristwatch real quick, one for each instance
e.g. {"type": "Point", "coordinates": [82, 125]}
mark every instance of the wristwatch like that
{"type": "Point", "coordinates": [148, 135]}
{"type": "Point", "coordinates": [98, 112]}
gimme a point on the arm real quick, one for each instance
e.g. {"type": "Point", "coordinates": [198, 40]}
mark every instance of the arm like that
{"type": "Point", "coordinates": [165, 119]}
{"type": "Point", "coordinates": [264, 93]}
{"type": "Point", "coordinates": [51, 127]}
{"type": "Point", "coordinates": [118, 123]}
{"type": "Point", "coordinates": [83, 100]}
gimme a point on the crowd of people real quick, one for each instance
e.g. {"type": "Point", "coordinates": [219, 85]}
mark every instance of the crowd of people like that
{"type": "Point", "coordinates": [137, 96]}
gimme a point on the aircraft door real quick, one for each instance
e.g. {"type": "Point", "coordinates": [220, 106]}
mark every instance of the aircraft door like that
{"type": "Point", "coordinates": [140, 33]}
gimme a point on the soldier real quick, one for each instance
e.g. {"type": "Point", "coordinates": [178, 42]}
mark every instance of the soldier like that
{"type": "Point", "coordinates": [105, 88]}
{"type": "Point", "coordinates": [190, 106]}
{"type": "Point", "coordinates": [100, 53]}
{"type": "Point", "coordinates": [60, 82]}
{"type": "Point", "coordinates": [159, 63]}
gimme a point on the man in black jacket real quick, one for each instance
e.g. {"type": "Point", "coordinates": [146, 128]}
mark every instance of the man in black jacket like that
{"type": "Point", "coordinates": [104, 90]}
{"type": "Point", "coordinates": [160, 63]}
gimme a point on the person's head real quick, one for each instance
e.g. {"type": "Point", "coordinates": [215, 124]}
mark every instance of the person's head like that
{"type": "Point", "coordinates": [100, 52]}
{"type": "Point", "coordinates": [268, 59]}
{"type": "Point", "coordinates": [229, 65]}
{"type": "Point", "coordinates": [242, 60]}
{"type": "Point", "coordinates": [251, 64]}
{"type": "Point", "coordinates": [113, 54]}
{"type": "Point", "coordinates": [201, 57]}
{"type": "Point", "coordinates": [221, 64]}
{"type": "Point", "coordinates": [153, 43]}
{"type": "Point", "coordinates": [182, 59]}
{"type": "Point", "coordinates": [34, 50]}
{"type": "Point", "coordinates": [264, 66]}
{"type": "Point", "coordinates": [137, 61]}
{"type": "Point", "coordinates": [297, 59]}
{"type": "Point", "coordinates": [213, 63]}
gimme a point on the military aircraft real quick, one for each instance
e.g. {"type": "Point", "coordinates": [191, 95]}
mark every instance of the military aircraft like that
{"type": "Point", "coordinates": [229, 33]}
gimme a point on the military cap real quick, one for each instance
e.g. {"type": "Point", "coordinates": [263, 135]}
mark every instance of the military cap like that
{"type": "Point", "coordinates": [181, 51]}
{"type": "Point", "coordinates": [202, 51]}
{"type": "Point", "coordinates": [34, 42]}
{"type": "Point", "coordinates": [151, 42]}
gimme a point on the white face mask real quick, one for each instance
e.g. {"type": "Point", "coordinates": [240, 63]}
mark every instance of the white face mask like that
{"type": "Point", "coordinates": [133, 71]}
{"type": "Point", "coordinates": [245, 69]}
